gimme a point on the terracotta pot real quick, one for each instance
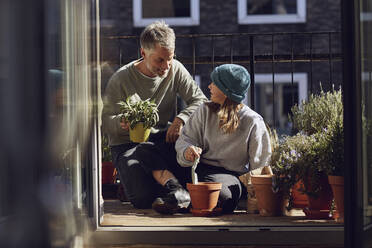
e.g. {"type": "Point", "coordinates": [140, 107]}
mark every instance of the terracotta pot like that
{"type": "Point", "coordinates": [319, 207]}
{"type": "Point", "coordinates": [299, 199]}
{"type": "Point", "coordinates": [108, 175]}
{"type": "Point", "coordinates": [337, 185]}
{"type": "Point", "coordinates": [269, 203]}
{"type": "Point", "coordinates": [138, 134]}
{"type": "Point", "coordinates": [204, 197]}
{"type": "Point", "coordinates": [252, 206]}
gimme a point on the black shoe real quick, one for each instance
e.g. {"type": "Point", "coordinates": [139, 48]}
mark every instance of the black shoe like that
{"type": "Point", "coordinates": [163, 206]}
{"type": "Point", "coordinates": [176, 200]}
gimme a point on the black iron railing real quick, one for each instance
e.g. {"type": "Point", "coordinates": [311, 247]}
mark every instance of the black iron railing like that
{"type": "Point", "coordinates": [276, 52]}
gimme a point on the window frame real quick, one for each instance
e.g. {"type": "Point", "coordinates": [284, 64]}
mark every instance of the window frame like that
{"type": "Point", "coordinates": [193, 20]}
{"type": "Point", "coordinates": [298, 77]}
{"type": "Point", "coordinates": [244, 18]}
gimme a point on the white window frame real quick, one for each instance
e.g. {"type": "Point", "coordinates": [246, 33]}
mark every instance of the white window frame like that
{"type": "Point", "coordinates": [298, 77]}
{"type": "Point", "coordinates": [366, 16]}
{"type": "Point", "coordinates": [193, 20]}
{"type": "Point", "coordinates": [244, 18]}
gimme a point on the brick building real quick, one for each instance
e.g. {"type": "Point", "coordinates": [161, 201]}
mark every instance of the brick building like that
{"type": "Point", "coordinates": [304, 50]}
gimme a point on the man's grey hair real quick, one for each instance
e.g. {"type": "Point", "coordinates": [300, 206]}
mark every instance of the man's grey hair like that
{"type": "Point", "coordinates": [158, 32]}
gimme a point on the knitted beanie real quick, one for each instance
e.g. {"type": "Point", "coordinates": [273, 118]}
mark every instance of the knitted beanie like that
{"type": "Point", "coordinates": [233, 80]}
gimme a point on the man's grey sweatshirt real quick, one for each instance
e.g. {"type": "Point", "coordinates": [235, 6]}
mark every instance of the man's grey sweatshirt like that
{"type": "Point", "coordinates": [246, 149]}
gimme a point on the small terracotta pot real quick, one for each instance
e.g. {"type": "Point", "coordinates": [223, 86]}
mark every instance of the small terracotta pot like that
{"type": "Point", "coordinates": [269, 203]}
{"type": "Point", "coordinates": [204, 196]}
{"type": "Point", "coordinates": [108, 175]}
{"type": "Point", "coordinates": [319, 208]}
{"type": "Point", "coordinates": [337, 185]}
{"type": "Point", "coordinates": [299, 199]}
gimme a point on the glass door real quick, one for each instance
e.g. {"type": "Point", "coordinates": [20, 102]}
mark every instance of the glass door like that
{"type": "Point", "coordinates": [366, 114]}
{"type": "Point", "coordinates": [357, 21]}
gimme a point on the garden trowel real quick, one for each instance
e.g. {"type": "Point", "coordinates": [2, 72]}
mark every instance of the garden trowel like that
{"type": "Point", "coordinates": [194, 176]}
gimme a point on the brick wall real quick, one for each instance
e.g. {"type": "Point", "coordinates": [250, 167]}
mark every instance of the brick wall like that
{"type": "Point", "coordinates": [220, 16]}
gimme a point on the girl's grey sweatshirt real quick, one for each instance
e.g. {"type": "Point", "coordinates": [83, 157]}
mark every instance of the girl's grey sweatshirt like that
{"type": "Point", "coordinates": [246, 149]}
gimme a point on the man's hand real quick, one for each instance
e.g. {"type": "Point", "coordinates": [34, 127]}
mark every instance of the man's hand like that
{"type": "Point", "coordinates": [174, 131]}
{"type": "Point", "coordinates": [192, 152]}
{"type": "Point", "coordinates": [124, 124]}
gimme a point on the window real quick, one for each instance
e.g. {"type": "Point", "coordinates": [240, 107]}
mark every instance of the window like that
{"type": "Point", "coordinates": [366, 12]}
{"type": "Point", "coordinates": [271, 11]}
{"type": "Point", "coordinates": [198, 80]}
{"type": "Point", "coordinates": [173, 12]}
{"type": "Point", "coordinates": [284, 92]}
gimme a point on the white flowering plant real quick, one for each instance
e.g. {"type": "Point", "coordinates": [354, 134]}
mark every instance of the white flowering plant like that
{"type": "Point", "coordinates": [134, 111]}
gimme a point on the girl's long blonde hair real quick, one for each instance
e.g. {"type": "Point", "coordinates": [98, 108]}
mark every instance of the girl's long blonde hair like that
{"type": "Point", "coordinates": [227, 114]}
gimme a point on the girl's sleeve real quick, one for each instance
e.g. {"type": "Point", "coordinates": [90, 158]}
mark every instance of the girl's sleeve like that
{"type": "Point", "coordinates": [192, 135]}
{"type": "Point", "coordinates": [259, 147]}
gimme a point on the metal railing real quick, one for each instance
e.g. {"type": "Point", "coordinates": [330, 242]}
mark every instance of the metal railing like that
{"type": "Point", "coordinates": [272, 50]}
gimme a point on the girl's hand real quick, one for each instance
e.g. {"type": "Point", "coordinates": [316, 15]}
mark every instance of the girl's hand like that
{"type": "Point", "coordinates": [192, 152]}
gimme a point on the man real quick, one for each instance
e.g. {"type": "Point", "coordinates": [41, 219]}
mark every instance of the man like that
{"type": "Point", "coordinates": [149, 171]}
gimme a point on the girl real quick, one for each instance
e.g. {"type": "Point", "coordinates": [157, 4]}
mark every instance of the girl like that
{"type": "Point", "coordinates": [229, 138]}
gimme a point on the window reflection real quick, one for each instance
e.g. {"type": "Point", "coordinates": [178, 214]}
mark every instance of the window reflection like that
{"type": "Point", "coordinates": [366, 92]}
{"type": "Point", "coordinates": [165, 8]}
{"type": "Point", "coordinates": [271, 7]}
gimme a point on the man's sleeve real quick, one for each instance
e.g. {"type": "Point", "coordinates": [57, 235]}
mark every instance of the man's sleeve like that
{"type": "Point", "coordinates": [113, 94]}
{"type": "Point", "coordinates": [189, 91]}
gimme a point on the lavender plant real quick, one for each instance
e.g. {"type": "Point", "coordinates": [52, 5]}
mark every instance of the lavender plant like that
{"type": "Point", "coordinates": [317, 149]}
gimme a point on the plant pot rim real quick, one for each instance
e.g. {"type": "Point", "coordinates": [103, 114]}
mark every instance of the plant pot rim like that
{"type": "Point", "coordinates": [262, 176]}
{"type": "Point", "coordinates": [204, 186]}
{"type": "Point", "coordinates": [335, 179]}
{"type": "Point", "coordinates": [262, 179]}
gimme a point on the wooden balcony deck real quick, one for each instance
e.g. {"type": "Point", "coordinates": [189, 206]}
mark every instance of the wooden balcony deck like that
{"type": "Point", "coordinates": [117, 213]}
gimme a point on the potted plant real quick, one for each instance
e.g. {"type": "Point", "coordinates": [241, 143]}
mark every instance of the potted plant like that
{"type": "Point", "coordinates": [326, 119]}
{"type": "Point", "coordinates": [141, 116]}
{"type": "Point", "coordinates": [297, 160]}
{"type": "Point", "coordinates": [111, 186]}
{"type": "Point", "coordinates": [108, 174]}
{"type": "Point", "coordinates": [334, 166]}
{"type": "Point", "coordinates": [309, 155]}
{"type": "Point", "coordinates": [290, 162]}
{"type": "Point", "coordinates": [270, 201]}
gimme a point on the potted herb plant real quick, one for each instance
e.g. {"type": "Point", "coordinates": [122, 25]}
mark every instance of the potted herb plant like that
{"type": "Point", "coordinates": [323, 115]}
{"type": "Point", "coordinates": [310, 155]}
{"type": "Point", "coordinates": [141, 116]}
{"type": "Point", "coordinates": [334, 166]}
{"type": "Point", "coordinates": [108, 168]}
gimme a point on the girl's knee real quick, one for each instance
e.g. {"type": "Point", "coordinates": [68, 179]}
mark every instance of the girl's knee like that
{"type": "Point", "coordinates": [229, 198]}
{"type": "Point", "coordinates": [228, 205]}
